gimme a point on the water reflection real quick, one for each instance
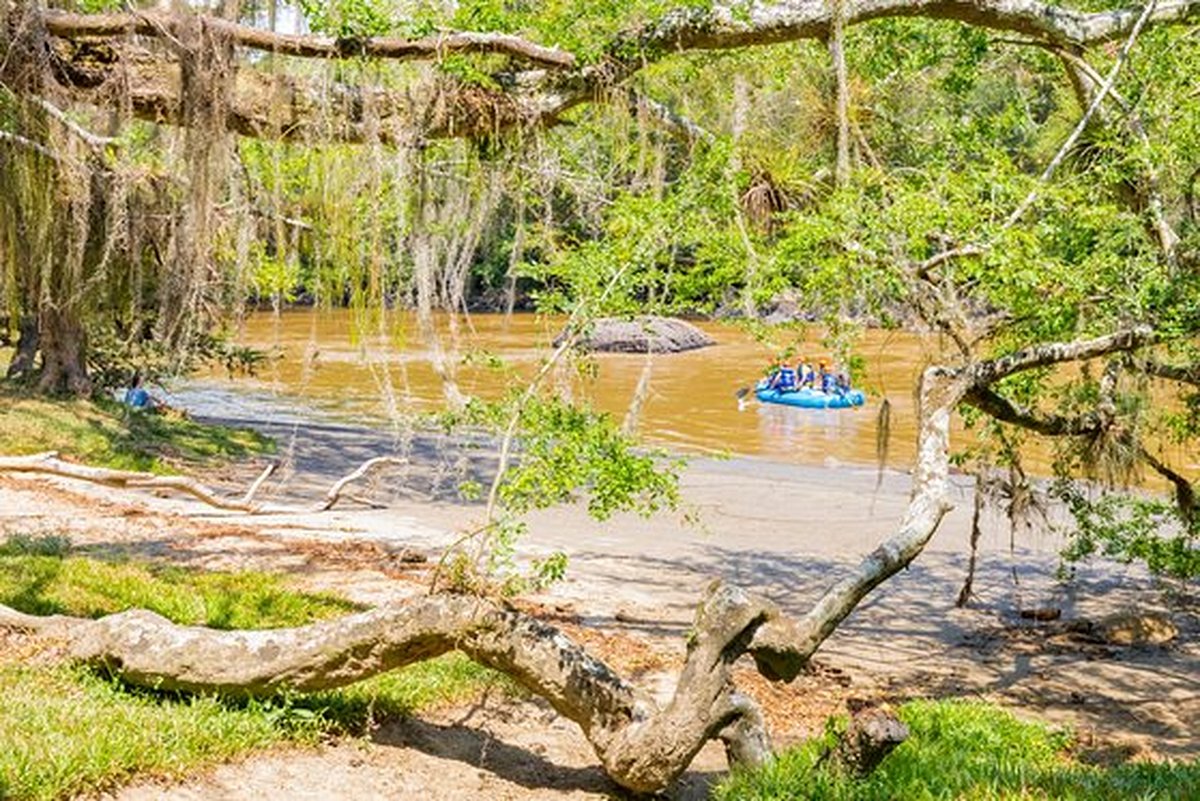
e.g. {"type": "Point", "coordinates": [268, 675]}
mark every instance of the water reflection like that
{"type": "Point", "coordinates": [810, 435]}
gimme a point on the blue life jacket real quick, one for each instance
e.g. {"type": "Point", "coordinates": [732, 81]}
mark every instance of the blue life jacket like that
{"type": "Point", "coordinates": [785, 380]}
{"type": "Point", "coordinates": [137, 398]}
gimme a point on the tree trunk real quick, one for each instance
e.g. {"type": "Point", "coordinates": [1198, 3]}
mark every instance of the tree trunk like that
{"type": "Point", "coordinates": [643, 747]}
{"type": "Point", "coordinates": [64, 354]}
{"type": "Point", "coordinates": [22, 363]}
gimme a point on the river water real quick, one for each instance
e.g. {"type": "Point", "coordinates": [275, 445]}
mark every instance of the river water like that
{"type": "Point", "coordinates": [340, 362]}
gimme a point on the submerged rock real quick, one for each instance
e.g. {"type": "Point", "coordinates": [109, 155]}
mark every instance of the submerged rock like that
{"type": "Point", "coordinates": [639, 335]}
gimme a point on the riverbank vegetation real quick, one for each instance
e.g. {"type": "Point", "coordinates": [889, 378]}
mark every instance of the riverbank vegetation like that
{"type": "Point", "coordinates": [67, 730]}
{"type": "Point", "coordinates": [1018, 180]}
{"type": "Point", "coordinates": [963, 749]}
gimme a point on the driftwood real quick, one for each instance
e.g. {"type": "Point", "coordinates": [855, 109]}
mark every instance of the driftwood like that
{"type": "Point", "coordinates": [49, 464]}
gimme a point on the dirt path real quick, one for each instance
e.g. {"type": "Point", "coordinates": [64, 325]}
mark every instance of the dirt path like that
{"type": "Point", "coordinates": [632, 585]}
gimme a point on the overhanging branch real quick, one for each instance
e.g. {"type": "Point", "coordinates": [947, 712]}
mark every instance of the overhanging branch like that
{"type": "Point", "coordinates": [986, 373]}
{"type": "Point", "coordinates": [399, 49]}
{"type": "Point", "coordinates": [1001, 408]}
{"type": "Point", "coordinates": [276, 106]}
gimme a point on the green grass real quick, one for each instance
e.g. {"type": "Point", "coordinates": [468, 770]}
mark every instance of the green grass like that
{"type": "Point", "coordinates": [66, 730]}
{"type": "Point", "coordinates": [86, 587]}
{"type": "Point", "coordinates": [963, 750]}
{"type": "Point", "coordinates": [107, 434]}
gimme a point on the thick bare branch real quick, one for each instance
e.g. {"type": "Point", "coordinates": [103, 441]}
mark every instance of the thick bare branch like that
{"type": "Point", "coordinates": [1128, 339]}
{"type": "Point", "coordinates": [642, 746]}
{"type": "Point", "coordinates": [732, 25]}
{"type": "Point", "coordinates": [781, 647]}
{"type": "Point", "coordinates": [429, 47]}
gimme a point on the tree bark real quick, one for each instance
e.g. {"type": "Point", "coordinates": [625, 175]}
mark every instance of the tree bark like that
{"type": "Point", "coordinates": [24, 358]}
{"type": "Point", "coordinates": [63, 344]}
{"type": "Point", "coordinates": [643, 747]}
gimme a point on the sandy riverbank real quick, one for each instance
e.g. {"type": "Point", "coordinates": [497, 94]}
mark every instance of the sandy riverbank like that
{"type": "Point", "coordinates": [783, 529]}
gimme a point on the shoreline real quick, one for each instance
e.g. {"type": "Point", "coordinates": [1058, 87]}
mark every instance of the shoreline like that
{"type": "Point", "coordinates": [782, 529]}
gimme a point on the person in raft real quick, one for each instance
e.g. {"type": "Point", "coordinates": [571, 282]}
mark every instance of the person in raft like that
{"type": "Point", "coordinates": [804, 374]}
{"type": "Point", "coordinates": [783, 379]}
{"type": "Point", "coordinates": [827, 381]}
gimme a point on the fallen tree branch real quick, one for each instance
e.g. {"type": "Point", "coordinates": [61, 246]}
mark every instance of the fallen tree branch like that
{"type": "Point", "coordinates": [643, 746]}
{"type": "Point", "coordinates": [49, 464]}
{"type": "Point", "coordinates": [366, 468]}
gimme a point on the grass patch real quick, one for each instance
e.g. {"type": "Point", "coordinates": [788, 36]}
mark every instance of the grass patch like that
{"type": "Point", "coordinates": [66, 730]}
{"type": "Point", "coordinates": [963, 750]}
{"type": "Point", "coordinates": [60, 583]}
{"type": "Point", "coordinates": [105, 433]}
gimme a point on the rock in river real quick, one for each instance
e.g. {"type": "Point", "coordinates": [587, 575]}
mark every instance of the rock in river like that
{"type": "Point", "coordinates": [639, 335]}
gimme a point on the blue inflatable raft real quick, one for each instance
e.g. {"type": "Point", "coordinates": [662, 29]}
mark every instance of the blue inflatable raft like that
{"type": "Point", "coordinates": [811, 398]}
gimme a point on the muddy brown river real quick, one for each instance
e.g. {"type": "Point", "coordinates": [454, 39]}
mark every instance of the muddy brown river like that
{"type": "Point", "coordinates": [369, 370]}
{"type": "Point", "coordinates": [356, 367]}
